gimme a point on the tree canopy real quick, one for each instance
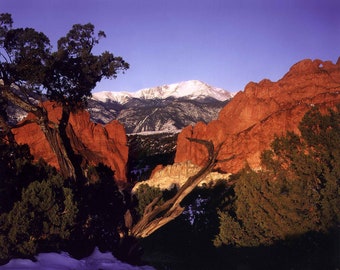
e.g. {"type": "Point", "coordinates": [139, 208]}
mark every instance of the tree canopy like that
{"type": "Point", "coordinates": [73, 70]}
{"type": "Point", "coordinates": [32, 72]}
{"type": "Point", "coordinates": [46, 212]}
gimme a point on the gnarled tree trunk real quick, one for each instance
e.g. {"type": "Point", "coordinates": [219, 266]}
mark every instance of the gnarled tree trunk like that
{"type": "Point", "coordinates": [50, 130]}
{"type": "Point", "coordinates": [54, 139]}
{"type": "Point", "coordinates": [155, 216]}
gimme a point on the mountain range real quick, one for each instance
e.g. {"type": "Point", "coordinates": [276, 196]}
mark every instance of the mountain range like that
{"type": "Point", "coordinates": [192, 89]}
{"type": "Point", "coordinates": [167, 108]}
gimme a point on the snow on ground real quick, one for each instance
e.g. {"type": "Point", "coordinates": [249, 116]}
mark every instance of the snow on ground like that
{"type": "Point", "coordinates": [62, 261]}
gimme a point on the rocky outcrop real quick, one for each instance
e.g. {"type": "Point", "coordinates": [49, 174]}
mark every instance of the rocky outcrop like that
{"type": "Point", "coordinates": [95, 143]}
{"type": "Point", "coordinates": [247, 125]}
{"type": "Point", "coordinates": [177, 174]}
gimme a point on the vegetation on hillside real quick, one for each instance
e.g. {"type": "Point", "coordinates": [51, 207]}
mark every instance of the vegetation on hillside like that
{"type": "Point", "coordinates": [148, 151]}
{"type": "Point", "coordinates": [41, 211]}
{"type": "Point", "coordinates": [43, 216]}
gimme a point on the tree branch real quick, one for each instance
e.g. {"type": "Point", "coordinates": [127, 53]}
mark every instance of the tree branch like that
{"type": "Point", "coordinates": [156, 217]}
{"type": "Point", "coordinates": [16, 100]}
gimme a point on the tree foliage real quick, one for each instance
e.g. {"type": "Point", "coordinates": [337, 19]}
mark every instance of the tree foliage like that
{"type": "Point", "coordinates": [296, 192]}
{"type": "Point", "coordinates": [45, 213]}
{"type": "Point", "coordinates": [17, 171]}
{"type": "Point", "coordinates": [73, 70]}
{"type": "Point", "coordinates": [145, 194]}
{"type": "Point", "coordinates": [31, 72]}
{"type": "Point", "coordinates": [24, 53]}
{"type": "Point", "coordinates": [40, 211]}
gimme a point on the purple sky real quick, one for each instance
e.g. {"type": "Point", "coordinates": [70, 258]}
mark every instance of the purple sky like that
{"type": "Point", "coordinates": [225, 43]}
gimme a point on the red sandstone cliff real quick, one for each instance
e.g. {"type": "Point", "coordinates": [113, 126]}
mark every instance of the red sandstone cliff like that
{"type": "Point", "coordinates": [247, 125]}
{"type": "Point", "coordinates": [94, 142]}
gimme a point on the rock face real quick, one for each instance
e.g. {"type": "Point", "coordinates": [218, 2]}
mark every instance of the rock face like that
{"type": "Point", "coordinates": [177, 174]}
{"type": "Point", "coordinates": [248, 123]}
{"type": "Point", "coordinates": [94, 142]}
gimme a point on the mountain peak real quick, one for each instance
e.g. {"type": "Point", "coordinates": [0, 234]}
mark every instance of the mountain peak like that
{"type": "Point", "coordinates": [192, 89]}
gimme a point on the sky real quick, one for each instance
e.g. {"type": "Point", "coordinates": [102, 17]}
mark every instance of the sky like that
{"type": "Point", "coordinates": [225, 43]}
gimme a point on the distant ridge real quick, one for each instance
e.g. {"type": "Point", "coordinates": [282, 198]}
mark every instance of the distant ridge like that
{"type": "Point", "coordinates": [193, 89]}
{"type": "Point", "coordinates": [166, 108]}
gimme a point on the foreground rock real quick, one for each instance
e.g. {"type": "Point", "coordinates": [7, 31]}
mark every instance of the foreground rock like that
{"type": "Point", "coordinates": [248, 123]}
{"type": "Point", "coordinates": [95, 143]}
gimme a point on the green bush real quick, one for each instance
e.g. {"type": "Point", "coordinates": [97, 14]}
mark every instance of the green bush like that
{"type": "Point", "coordinates": [17, 171]}
{"type": "Point", "coordinates": [145, 194]}
{"type": "Point", "coordinates": [46, 213]}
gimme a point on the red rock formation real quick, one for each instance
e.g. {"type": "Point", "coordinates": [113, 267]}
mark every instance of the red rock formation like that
{"type": "Point", "coordinates": [94, 142]}
{"type": "Point", "coordinates": [247, 125]}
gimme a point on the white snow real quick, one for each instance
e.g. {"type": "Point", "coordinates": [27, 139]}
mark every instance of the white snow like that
{"type": "Point", "coordinates": [120, 97]}
{"type": "Point", "coordinates": [62, 261]}
{"type": "Point", "coordinates": [190, 89]}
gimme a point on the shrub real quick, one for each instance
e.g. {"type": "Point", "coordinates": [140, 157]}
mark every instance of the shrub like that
{"type": "Point", "coordinates": [45, 213]}
{"type": "Point", "coordinates": [145, 194]}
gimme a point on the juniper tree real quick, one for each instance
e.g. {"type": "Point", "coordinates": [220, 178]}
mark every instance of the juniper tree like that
{"type": "Point", "coordinates": [30, 71]}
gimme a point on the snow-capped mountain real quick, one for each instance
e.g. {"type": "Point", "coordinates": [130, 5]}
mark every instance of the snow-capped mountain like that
{"type": "Point", "coordinates": [105, 96]}
{"type": "Point", "coordinates": [192, 89]}
{"type": "Point", "coordinates": [167, 108]}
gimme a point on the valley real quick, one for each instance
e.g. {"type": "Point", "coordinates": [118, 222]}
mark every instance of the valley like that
{"type": "Point", "coordinates": [146, 151]}
{"type": "Point", "coordinates": [157, 145]}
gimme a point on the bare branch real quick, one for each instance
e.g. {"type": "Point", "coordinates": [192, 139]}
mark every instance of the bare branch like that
{"type": "Point", "coordinates": [8, 94]}
{"type": "Point", "coordinates": [151, 205]}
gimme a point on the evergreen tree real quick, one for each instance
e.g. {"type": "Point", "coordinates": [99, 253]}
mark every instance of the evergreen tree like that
{"type": "Point", "coordinates": [17, 171]}
{"type": "Point", "coordinates": [44, 216]}
{"type": "Point", "coordinates": [29, 70]}
{"type": "Point", "coordinates": [146, 194]}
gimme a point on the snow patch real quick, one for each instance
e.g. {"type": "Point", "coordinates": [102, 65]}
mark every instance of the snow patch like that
{"type": "Point", "coordinates": [63, 261]}
{"type": "Point", "coordinates": [120, 97]}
